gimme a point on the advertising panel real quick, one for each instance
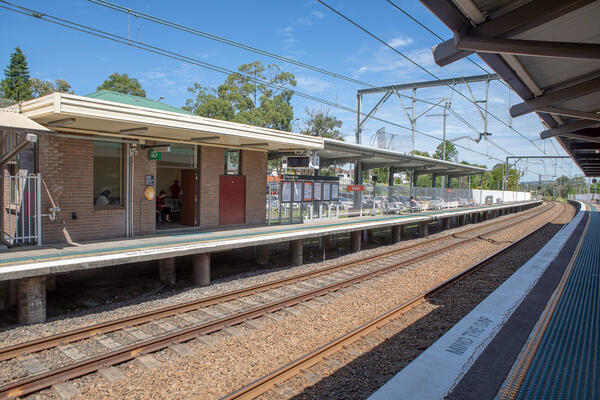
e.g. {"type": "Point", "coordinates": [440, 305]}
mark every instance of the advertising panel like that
{"type": "Point", "coordinates": [308, 194]}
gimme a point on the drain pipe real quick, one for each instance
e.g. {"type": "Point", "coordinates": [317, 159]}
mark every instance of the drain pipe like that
{"type": "Point", "coordinates": [132, 192]}
{"type": "Point", "coordinates": [128, 191]}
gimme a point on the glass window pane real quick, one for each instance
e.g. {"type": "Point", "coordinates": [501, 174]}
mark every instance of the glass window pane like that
{"type": "Point", "coordinates": [232, 162]}
{"type": "Point", "coordinates": [108, 174]}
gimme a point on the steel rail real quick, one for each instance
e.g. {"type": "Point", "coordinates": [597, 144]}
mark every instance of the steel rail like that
{"type": "Point", "coordinates": [47, 379]}
{"type": "Point", "coordinates": [292, 369]}
{"type": "Point", "coordinates": [48, 342]}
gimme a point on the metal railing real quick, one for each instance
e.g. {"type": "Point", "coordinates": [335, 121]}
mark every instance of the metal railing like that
{"type": "Point", "coordinates": [23, 210]}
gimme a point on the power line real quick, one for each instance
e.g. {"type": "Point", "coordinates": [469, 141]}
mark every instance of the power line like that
{"type": "Point", "coordinates": [156, 50]}
{"type": "Point", "coordinates": [424, 69]}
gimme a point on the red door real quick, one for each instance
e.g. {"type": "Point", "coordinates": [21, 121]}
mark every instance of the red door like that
{"type": "Point", "coordinates": [187, 215]}
{"type": "Point", "coordinates": [232, 199]}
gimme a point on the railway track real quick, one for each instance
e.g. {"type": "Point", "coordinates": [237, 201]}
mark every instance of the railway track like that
{"type": "Point", "coordinates": [327, 280]}
{"type": "Point", "coordinates": [302, 364]}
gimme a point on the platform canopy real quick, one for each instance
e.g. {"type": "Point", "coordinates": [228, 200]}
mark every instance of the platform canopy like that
{"type": "Point", "coordinates": [67, 113]}
{"type": "Point", "coordinates": [338, 152]}
{"type": "Point", "coordinates": [548, 51]}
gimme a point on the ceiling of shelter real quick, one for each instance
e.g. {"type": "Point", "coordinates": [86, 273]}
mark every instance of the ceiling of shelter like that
{"type": "Point", "coordinates": [547, 51]}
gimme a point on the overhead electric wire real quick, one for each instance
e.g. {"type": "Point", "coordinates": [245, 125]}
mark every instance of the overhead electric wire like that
{"type": "Point", "coordinates": [229, 42]}
{"type": "Point", "coordinates": [424, 70]}
{"type": "Point", "coordinates": [156, 50]}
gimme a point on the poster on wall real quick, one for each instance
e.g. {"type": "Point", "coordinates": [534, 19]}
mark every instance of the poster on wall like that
{"type": "Point", "coordinates": [335, 190]}
{"type": "Point", "coordinates": [326, 191]}
{"type": "Point", "coordinates": [297, 191]}
{"type": "Point", "coordinates": [286, 192]}
{"type": "Point", "coordinates": [308, 194]}
{"type": "Point", "coordinates": [317, 191]}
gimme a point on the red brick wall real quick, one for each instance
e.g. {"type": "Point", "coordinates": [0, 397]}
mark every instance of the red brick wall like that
{"type": "Point", "coordinates": [67, 168]}
{"type": "Point", "coordinates": [254, 167]}
{"type": "Point", "coordinates": [212, 165]}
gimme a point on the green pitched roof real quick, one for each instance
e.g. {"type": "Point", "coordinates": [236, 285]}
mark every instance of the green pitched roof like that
{"type": "Point", "coordinates": [108, 95]}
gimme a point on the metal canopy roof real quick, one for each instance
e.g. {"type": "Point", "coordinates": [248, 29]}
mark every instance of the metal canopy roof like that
{"type": "Point", "coordinates": [91, 116]}
{"type": "Point", "coordinates": [339, 152]}
{"type": "Point", "coordinates": [548, 51]}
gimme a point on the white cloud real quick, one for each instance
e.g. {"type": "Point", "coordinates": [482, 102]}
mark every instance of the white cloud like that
{"type": "Point", "coordinates": [400, 42]}
{"type": "Point", "coordinates": [287, 31]}
{"type": "Point", "coordinates": [313, 84]}
{"type": "Point", "coordinates": [154, 75]}
{"type": "Point", "coordinates": [318, 14]}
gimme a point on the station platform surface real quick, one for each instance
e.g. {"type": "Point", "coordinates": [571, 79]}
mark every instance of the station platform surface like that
{"type": "Point", "coordinates": [535, 337]}
{"type": "Point", "coordinates": [40, 261]}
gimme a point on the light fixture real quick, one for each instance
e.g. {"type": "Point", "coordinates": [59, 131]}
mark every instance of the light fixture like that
{"type": "Point", "coordinates": [254, 144]}
{"type": "Point", "coordinates": [205, 138]}
{"type": "Point", "coordinates": [62, 122]}
{"type": "Point", "coordinates": [135, 131]}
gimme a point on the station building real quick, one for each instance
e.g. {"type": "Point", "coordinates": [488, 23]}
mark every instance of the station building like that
{"type": "Point", "coordinates": [103, 158]}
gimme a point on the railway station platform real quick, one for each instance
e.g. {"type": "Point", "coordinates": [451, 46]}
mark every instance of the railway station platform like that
{"type": "Point", "coordinates": [535, 337]}
{"type": "Point", "coordinates": [30, 268]}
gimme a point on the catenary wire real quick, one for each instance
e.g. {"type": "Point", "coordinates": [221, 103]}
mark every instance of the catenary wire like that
{"type": "Point", "coordinates": [143, 46]}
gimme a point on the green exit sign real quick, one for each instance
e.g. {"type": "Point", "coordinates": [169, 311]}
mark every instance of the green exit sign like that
{"type": "Point", "coordinates": [154, 155]}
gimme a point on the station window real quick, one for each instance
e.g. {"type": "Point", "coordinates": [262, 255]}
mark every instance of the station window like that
{"type": "Point", "coordinates": [232, 162]}
{"type": "Point", "coordinates": [108, 174]}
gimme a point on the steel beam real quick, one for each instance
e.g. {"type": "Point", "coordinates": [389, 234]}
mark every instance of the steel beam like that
{"type": "Point", "coordinates": [429, 84]}
{"type": "Point", "coordinates": [578, 90]}
{"type": "Point", "coordinates": [528, 16]}
{"type": "Point", "coordinates": [588, 51]}
{"type": "Point", "coordinates": [595, 116]}
{"type": "Point", "coordinates": [568, 128]}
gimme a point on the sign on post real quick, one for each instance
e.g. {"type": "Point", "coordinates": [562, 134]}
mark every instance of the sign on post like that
{"type": "Point", "coordinates": [154, 155]}
{"type": "Point", "coordinates": [355, 188]}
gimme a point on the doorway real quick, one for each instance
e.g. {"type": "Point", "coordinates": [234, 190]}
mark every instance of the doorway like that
{"type": "Point", "coordinates": [176, 176]}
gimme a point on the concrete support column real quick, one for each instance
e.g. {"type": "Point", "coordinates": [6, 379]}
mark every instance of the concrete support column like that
{"type": "Point", "coordinates": [424, 229]}
{"type": "Point", "coordinates": [370, 235]}
{"type": "Point", "coordinates": [31, 300]}
{"type": "Point", "coordinates": [166, 270]}
{"type": "Point", "coordinates": [201, 269]}
{"type": "Point", "coordinates": [396, 233]}
{"type": "Point", "coordinates": [462, 219]}
{"type": "Point", "coordinates": [474, 218]}
{"type": "Point", "coordinates": [296, 252]}
{"type": "Point", "coordinates": [4, 295]}
{"type": "Point", "coordinates": [446, 223]}
{"type": "Point", "coordinates": [262, 255]}
{"type": "Point", "coordinates": [402, 231]}
{"type": "Point", "coordinates": [355, 241]}
{"type": "Point", "coordinates": [51, 283]}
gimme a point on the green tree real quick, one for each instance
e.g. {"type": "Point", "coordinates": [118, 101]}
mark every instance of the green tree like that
{"type": "Point", "coordinates": [60, 85]}
{"type": "Point", "coordinates": [245, 97]}
{"type": "Point", "coordinates": [16, 84]}
{"type": "Point", "coordinates": [123, 84]}
{"type": "Point", "coordinates": [322, 123]}
{"type": "Point", "coordinates": [423, 180]}
{"type": "Point", "coordinates": [451, 152]}
{"type": "Point", "coordinates": [41, 88]}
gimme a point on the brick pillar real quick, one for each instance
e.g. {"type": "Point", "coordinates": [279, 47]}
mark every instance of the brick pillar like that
{"type": "Point", "coordinates": [296, 252]}
{"type": "Point", "coordinates": [166, 270]}
{"type": "Point", "coordinates": [355, 241]}
{"type": "Point", "coordinates": [396, 233]}
{"type": "Point", "coordinates": [31, 300]}
{"type": "Point", "coordinates": [201, 269]}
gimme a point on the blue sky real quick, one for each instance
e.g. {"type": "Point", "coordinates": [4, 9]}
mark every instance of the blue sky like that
{"type": "Point", "coordinates": [302, 30]}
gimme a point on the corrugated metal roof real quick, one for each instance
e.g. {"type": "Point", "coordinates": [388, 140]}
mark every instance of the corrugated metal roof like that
{"type": "Point", "coordinates": [135, 101]}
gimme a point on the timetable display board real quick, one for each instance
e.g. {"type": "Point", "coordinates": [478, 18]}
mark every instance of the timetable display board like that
{"type": "Point", "coordinates": [318, 188]}
{"type": "Point", "coordinates": [286, 192]}
{"type": "Point", "coordinates": [297, 191]}
{"type": "Point", "coordinates": [326, 191]}
{"type": "Point", "coordinates": [335, 191]}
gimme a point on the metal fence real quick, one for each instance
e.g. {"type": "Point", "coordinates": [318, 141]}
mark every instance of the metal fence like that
{"type": "Point", "coordinates": [22, 213]}
{"type": "Point", "coordinates": [585, 196]}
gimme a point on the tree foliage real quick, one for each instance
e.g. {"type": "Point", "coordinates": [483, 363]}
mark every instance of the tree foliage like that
{"type": "Point", "coordinates": [123, 84]}
{"type": "Point", "coordinates": [321, 123]}
{"type": "Point", "coordinates": [244, 98]}
{"type": "Point", "coordinates": [451, 152]}
{"type": "Point", "coordinates": [16, 84]}
{"type": "Point", "coordinates": [41, 88]}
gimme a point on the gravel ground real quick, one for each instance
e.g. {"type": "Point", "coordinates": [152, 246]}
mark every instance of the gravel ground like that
{"type": "Point", "coordinates": [233, 361]}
